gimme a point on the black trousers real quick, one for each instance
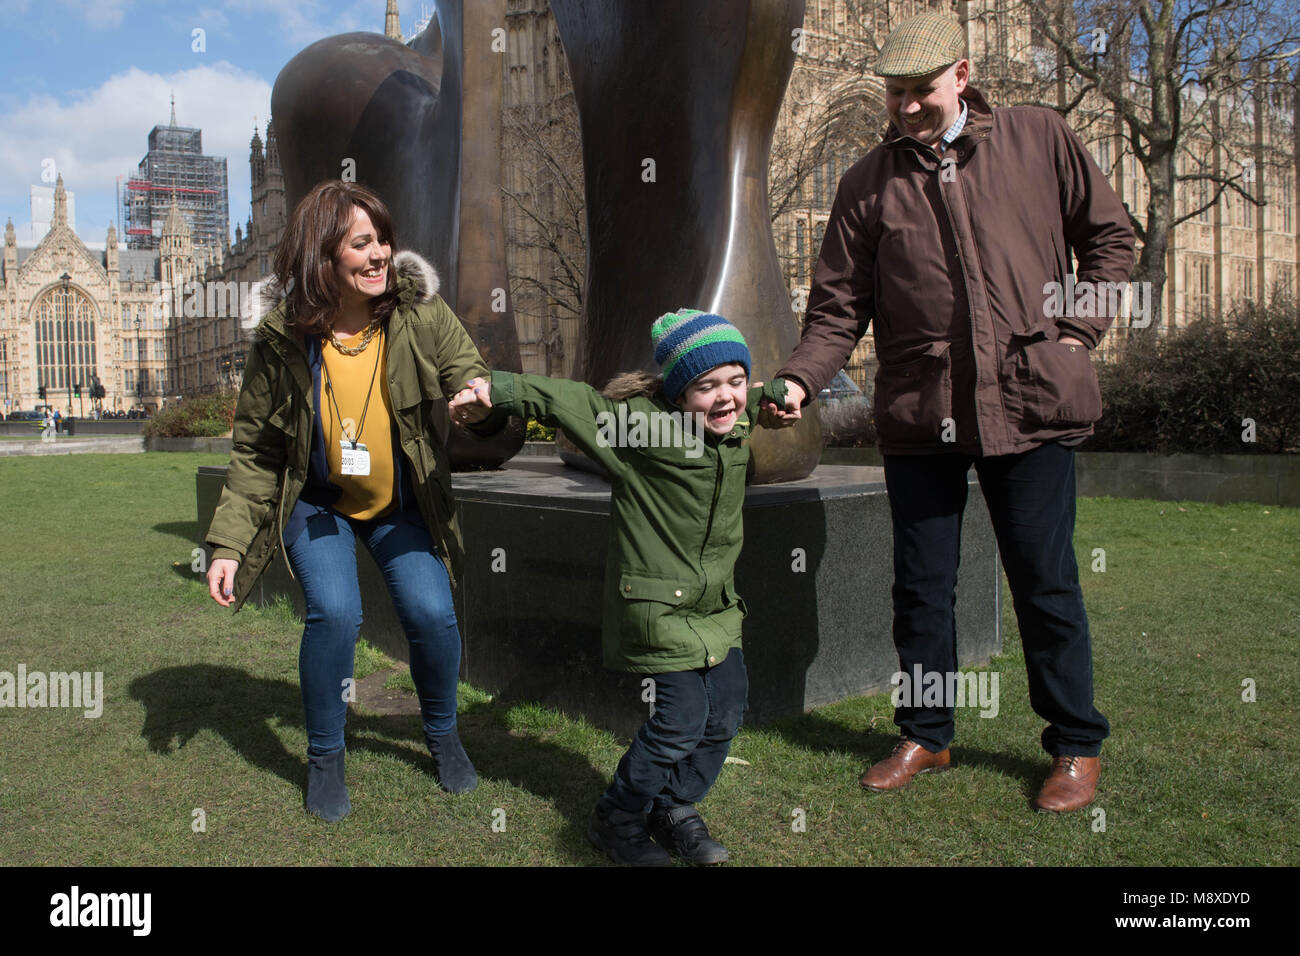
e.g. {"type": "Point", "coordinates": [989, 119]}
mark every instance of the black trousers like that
{"type": "Point", "coordinates": [1030, 499]}
{"type": "Point", "coordinates": [676, 756]}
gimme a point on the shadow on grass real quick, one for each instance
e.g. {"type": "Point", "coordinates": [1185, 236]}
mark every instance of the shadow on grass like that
{"type": "Point", "coordinates": [814, 732]}
{"type": "Point", "coordinates": [187, 530]}
{"type": "Point", "coordinates": [182, 701]}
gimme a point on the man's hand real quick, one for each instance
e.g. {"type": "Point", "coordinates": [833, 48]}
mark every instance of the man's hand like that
{"type": "Point", "coordinates": [472, 403]}
{"type": "Point", "coordinates": [771, 416]}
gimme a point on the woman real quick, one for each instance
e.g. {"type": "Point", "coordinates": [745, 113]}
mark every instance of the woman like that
{"type": "Point", "coordinates": [333, 442]}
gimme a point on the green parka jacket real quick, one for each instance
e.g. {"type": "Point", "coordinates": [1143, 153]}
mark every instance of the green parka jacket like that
{"type": "Point", "coordinates": [670, 601]}
{"type": "Point", "coordinates": [430, 356]}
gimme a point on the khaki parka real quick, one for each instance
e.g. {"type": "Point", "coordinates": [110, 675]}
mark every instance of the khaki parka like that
{"type": "Point", "coordinates": [430, 356]}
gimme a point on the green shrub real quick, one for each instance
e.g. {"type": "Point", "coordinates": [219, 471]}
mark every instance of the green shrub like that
{"type": "Point", "coordinates": [1192, 391]}
{"type": "Point", "coordinates": [206, 416]}
{"type": "Point", "coordinates": [539, 432]}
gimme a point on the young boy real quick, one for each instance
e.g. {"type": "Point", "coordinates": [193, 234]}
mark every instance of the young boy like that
{"type": "Point", "coordinates": [675, 449]}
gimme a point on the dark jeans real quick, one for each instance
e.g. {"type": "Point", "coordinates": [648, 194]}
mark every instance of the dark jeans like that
{"type": "Point", "coordinates": [1030, 498]}
{"type": "Point", "coordinates": [678, 753]}
{"type": "Point", "coordinates": [324, 559]}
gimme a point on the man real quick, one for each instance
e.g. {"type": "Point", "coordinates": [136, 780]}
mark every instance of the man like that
{"type": "Point", "coordinates": [951, 235]}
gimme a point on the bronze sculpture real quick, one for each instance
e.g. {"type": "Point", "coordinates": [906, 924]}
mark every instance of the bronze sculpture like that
{"type": "Point", "coordinates": [678, 101]}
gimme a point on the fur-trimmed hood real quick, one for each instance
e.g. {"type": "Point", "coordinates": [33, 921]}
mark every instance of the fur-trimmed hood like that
{"type": "Point", "coordinates": [417, 282]}
{"type": "Point", "coordinates": [633, 384]}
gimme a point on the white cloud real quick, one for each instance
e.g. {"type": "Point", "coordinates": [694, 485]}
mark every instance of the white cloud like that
{"type": "Point", "coordinates": [99, 134]}
{"type": "Point", "coordinates": [97, 14]}
{"type": "Point", "coordinates": [303, 22]}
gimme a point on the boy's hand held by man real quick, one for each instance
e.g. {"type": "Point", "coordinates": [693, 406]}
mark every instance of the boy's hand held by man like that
{"type": "Point", "coordinates": [771, 415]}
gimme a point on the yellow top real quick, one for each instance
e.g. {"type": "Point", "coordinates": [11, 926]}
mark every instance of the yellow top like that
{"type": "Point", "coordinates": [364, 496]}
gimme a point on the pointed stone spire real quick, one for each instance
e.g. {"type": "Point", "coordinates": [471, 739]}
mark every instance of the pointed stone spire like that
{"type": "Point", "coordinates": [256, 161]}
{"type": "Point", "coordinates": [60, 204]}
{"type": "Point", "coordinates": [175, 224]}
{"type": "Point", "coordinates": [110, 254]}
{"type": "Point", "coordinates": [173, 122]}
{"type": "Point", "coordinates": [272, 148]}
{"type": "Point", "coordinates": [392, 22]}
{"type": "Point", "coordinates": [11, 253]}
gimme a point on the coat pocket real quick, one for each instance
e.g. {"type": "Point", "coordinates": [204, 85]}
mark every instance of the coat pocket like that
{"type": "Point", "coordinates": [285, 418]}
{"type": "Point", "coordinates": [646, 601]}
{"type": "Point", "coordinates": [913, 398]}
{"type": "Point", "coordinates": [1056, 381]}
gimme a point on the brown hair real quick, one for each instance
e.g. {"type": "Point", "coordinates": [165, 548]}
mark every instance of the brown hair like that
{"type": "Point", "coordinates": [307, 255]}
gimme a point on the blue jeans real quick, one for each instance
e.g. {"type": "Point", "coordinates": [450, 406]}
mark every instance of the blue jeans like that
{"type": "Point", "coordinates": [676, 756]}
{"type": "Point", "coordinates": [324, 559]}
{"type": "Point", "coordinates": [1030, 498]}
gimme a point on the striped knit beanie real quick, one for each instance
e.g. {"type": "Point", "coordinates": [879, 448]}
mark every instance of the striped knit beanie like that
{"type": "Point", "coordinates": [689, 343]}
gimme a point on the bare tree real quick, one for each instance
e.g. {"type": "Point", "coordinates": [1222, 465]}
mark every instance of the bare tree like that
{"type": "Point", "coordinates": [1179, 79]}
{"type": "Point", "coordinates": [545, 187]}
{"type": "Point", "coordinates": [832, 115]}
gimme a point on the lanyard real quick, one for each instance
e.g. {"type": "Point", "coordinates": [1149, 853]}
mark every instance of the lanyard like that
{"type": "Point", "coordinates": [330, 386]}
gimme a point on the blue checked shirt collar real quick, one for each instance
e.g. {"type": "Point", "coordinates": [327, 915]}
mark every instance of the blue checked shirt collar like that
{"type": "Point", "coordinates": [955, 129]}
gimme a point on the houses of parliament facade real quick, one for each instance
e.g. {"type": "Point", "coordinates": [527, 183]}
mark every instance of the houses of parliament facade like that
{"type": "Point", "coordinates": [69, 315]}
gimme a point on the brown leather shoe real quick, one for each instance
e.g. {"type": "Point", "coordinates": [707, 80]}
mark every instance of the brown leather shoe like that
{"type": "Point", "coordinates": [1070, 785]}
{"type": "Point", "coordinates": [897, 770]}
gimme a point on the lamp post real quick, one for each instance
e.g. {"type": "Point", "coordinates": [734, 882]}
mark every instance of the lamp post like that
{"type": "Point", "coordinates": [67, 333]}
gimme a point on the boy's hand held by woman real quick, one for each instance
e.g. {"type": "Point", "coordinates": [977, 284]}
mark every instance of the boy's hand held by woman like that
{"type": "Point", "coordinates": [472, 403]}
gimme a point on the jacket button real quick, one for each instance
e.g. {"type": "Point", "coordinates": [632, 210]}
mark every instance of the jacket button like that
{"type": "Point", "coordinates": [712, 659]}
{"type": "Point", "coordinates": [677, 594]}
{"type": "Point", "coordinates": [627, 587]}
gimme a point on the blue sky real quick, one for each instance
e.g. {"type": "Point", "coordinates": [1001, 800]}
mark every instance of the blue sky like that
{"type": "Point", "coordinates": [85, 80]}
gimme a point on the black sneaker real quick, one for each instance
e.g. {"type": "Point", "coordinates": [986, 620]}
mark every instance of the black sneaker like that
{"type": "Point", "coordinates": [624, 838]}
{"type": "Point", "coordinates": [682, 832]}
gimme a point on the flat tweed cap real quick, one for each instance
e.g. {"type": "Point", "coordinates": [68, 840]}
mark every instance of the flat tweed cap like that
{"type": "Point", "coordinates": [920, 45]}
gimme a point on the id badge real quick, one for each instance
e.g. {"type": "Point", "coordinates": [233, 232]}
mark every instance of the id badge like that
{"type": "Point", "coordinates": [356, 461]}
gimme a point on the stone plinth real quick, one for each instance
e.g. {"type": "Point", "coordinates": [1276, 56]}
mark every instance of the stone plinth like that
{"type": "Point", "coordinates": [816, 573]}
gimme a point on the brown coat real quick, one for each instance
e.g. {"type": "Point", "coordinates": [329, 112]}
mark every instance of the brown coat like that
{"type": "Point", "coordinates": [954, 263]}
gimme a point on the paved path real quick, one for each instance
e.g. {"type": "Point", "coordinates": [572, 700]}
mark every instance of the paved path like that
{"type": "Point", "coordinates": [74, 445]}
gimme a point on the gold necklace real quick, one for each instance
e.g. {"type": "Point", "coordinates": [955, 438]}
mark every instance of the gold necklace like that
{"type": "Point", "coordinates": [355, 349]}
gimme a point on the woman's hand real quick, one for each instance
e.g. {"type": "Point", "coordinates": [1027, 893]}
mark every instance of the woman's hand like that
{"type": "Point", "coordinates": [472, 403]}
{"type": "Point", "coordinates": [221, 580]}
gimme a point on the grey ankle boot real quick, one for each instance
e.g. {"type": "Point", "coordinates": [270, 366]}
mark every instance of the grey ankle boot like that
{"type": "Point", "coordinates": [452, 764]}
{"type": "Point", "coordinates": [327, 794]}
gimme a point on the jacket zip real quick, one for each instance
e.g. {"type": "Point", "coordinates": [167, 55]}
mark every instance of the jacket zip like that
{"type": "Point", "coordinates": [708, 533]}
{"type": "Point", "coordinates": [970, 306]}
{"type": "Point", "coordinates": [284, 486]}
{"type": "Point", "coordinates": [279, 521]}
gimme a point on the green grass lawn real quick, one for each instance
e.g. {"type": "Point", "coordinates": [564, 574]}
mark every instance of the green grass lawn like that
{"type": "Point", "coordinates": [202, 713]}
